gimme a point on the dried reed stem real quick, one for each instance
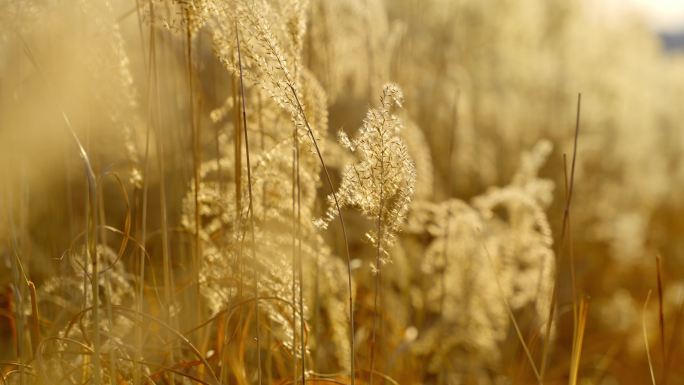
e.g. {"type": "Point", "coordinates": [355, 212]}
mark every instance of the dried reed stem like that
{"type": "Point", "coordinates": [564, 229]}
{"type": "Point", "coordinates": [645, 333]}
{"type": "Point", "coordinates": [251, 206]}
{"type": "Point", "coordinates": [344, 230]}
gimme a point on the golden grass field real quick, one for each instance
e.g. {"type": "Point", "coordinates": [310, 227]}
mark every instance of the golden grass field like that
{"type": "Point", "coordinates": [338, 192]}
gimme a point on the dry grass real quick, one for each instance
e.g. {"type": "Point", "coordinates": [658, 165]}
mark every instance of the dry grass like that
{"type": "Point", "coordinates": [353, 191]}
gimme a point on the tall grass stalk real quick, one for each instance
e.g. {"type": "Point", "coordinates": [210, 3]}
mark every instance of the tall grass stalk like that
{"type": "Point", "coordinates": [300, 263]}
{"type": "Point", "coordinates": [344, 231]}
{"type": "Point", "coordinates": [510, 314]}
{"type": "Point", "coordinates": [563, 235]}
{"type": "Point", "coordinates": [150, 88]}
{"type": "Point", "coordinates": [197, 160]}
{"type": "Point", "coordinates": [661, 311]}
{"type": "Point", "coordinates": [18, 278]}
{"type": "Point", "coordinates": [169, 291]}
{"type": "Point", "coordinates": [378, 259]}
{"type": "Point", "coordinates": [295, 238]}
{"type": "Point", "coordinates": [578, 339]}
{"type": "Point", "coordinates": [255, 261]}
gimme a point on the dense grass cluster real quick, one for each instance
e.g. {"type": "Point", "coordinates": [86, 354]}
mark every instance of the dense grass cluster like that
{"type": "Point", "coordinates": [338, 191]}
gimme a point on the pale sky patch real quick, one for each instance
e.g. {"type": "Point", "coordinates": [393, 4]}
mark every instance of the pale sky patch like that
{"type": "Point", "coordinates": [662, 15]}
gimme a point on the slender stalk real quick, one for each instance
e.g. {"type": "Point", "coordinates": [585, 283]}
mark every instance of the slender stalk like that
{"type": "Point", "coordinates": [295, 235]}
{"type": "Point", "coordinates": [645, 333]}
{"type": "Point", "coordinates": [344, 229]}
{"type": "Point", "coordinates": [166, 259]}
{"type": "Point", "coordinates": [140, 199]}
{"type": "Point", "coordinates": [251, 206]}
{"type": "Point", "coordinates": [564, 229]}
{"type": "Point", "coordinates": [35, 317]}
{"type": "Point", "coordinates": [661, 313]}
{"type": "Point", "coordinates": [578, 340]}
{"type": "Point", "coordinates": [237, 135]}
{"type": "Point", "coordinates": [145, 190]}
{"type": "Point", "coordinates": [378, 251]}
{"type": "Point", "coordinates": [92, 255]}
{"type": "Point", "coordinates": [18, 320]}
{"type": "Point", "coordinates": [301, 265]}
{"type": "Point", "coordinates": [673, 341]}
{"type": "Point", "coordinates": [107, 282]}
{"type": "Point", "coordinates": [237, 236]}
{"type": "Point", "coordinates": [511, 316]}
{"type": "Point", "coordinates": [197, 160]}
